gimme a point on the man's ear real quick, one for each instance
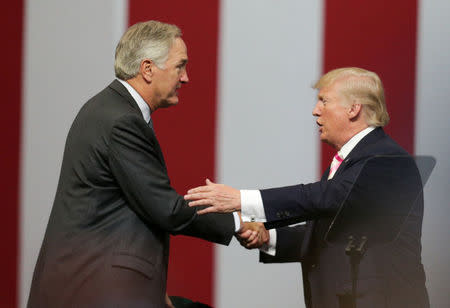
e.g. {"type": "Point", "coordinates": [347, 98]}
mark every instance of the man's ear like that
{"type": "Point", "coordinates": [354, 111]}
{"type": "Point", "coordinates": [147, 69]}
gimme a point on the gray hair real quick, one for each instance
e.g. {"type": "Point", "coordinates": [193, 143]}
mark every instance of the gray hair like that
{"type": "Point", "coordinates": [363, 85]}
{"type": "Point", "coordinates": [145, 40]}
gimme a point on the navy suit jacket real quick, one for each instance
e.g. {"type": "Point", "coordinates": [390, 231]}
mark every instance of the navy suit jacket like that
{"type": "Point", "coordinates": [107, 239]}
{"type": "Point", "coordinates": [390, 275]}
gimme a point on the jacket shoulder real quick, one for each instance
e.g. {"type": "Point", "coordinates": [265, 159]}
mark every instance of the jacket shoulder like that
{"type": "Point", "coordinates": [376, 143]}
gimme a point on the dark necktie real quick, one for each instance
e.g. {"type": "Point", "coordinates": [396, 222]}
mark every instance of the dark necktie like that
{"type": "Point", "coordinates": [150, 123]}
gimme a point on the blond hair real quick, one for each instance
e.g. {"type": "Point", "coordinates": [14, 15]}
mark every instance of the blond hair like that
{"type": "Point", "coordinates": [145, 40]}
{"type": "Point", "coordinates": [361, 85]}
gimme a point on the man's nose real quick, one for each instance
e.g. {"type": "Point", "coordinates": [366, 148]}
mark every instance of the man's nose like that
{"type": "Point", "coordinates": [184, 77]}
{"type": "Point", "coordinates": [316, 110]}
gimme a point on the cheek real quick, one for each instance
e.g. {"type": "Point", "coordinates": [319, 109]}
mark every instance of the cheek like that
{"type": "Point", "coordinates": [174, 80]}
{"type": "Point", "coordinates": [333, 118]}
{"type": "Point", "coordinates": [328, 118]}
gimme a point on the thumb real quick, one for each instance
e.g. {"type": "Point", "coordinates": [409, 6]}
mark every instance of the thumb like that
{"type": "Point", "coordinates": [209, 182]}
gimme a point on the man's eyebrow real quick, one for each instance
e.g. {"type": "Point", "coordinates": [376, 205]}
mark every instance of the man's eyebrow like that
{"type": "Point", "coordinates": [183, 62]}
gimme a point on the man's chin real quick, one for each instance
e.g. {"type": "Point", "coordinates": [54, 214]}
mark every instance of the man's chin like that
{"type": "Point", "coordinates": [170, 103]}
{"type": "Point", "coordinates": [324, 139]}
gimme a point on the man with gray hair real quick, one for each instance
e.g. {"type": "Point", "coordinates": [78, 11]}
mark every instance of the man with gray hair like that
{"type": "Point", "coordinates": [107, 239]}
{"type": "Point", "coordinates": [351, 112]}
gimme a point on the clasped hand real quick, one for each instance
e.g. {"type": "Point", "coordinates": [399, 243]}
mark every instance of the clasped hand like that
{"type": "Point", "coordinates": [219, 198]}
{"type": "Point", "coordinates": [253, 235]}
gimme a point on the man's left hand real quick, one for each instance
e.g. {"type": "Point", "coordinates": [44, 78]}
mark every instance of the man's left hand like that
{"type": "Point", "coordinates": [218, 198]}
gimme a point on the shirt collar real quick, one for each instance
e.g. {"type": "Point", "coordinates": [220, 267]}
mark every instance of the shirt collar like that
{"type": "Point", "coordinates": [348, 147]}
{"type": "Point", "coordinates": [145, 109]}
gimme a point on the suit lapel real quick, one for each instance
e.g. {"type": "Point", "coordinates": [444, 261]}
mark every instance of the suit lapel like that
{"type": "Point", "coordinates": [158, 149]}
{"type": "Point", "coordinates": [360, 150]}
{"type": "Point", "coordinates": [119, 88]}
{"type": "Point", "coordinates": [325, 174]}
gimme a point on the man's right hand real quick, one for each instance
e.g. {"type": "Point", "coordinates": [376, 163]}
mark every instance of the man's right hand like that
{"type": "Point", "coordinates": [253, 235]}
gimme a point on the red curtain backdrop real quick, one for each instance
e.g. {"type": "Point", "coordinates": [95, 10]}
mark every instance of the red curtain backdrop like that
{"type": "Point", "coordinates": [379, 36]}
{"type": "Point", "coordinates": [188, 131]}
{"type": "Point", "coordinates": [10, 130]}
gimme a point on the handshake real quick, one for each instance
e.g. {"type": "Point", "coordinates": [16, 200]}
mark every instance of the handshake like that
{"type": "Point", "coordinates": [219, 198]}
{"type": "Point", "coordinates": [252, 235]}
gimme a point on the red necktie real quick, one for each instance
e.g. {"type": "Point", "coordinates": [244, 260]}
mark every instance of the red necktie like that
{"type": "Point", "coordinates": [337, 160]}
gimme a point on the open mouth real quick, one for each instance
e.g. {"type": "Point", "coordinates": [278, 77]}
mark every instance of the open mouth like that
{"type": "Point", "coordinates": [320, 126]}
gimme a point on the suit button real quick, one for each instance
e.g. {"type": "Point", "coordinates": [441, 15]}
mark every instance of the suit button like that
{"type": "Point", "coordinates": [313, 266]}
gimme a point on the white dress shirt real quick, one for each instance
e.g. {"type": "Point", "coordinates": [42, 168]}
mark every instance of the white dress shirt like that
{"type": "Point", "coordinates": [252, 208]}
{"type": "Point", "coordinates": [143, 106]}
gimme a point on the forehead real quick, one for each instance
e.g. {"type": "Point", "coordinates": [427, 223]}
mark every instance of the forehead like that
{"type": "Point", "coordinates": [332, 90]}
{"type": "Point", "coordinates": [178, 50]}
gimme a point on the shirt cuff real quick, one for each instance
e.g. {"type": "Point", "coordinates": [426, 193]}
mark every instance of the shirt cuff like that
{"type": "Point", "coordinates": [271, 247]}
{"type": "Point", "coordinates": [237, 222]}
{"type": "Point", "coordinates": [252, 208]}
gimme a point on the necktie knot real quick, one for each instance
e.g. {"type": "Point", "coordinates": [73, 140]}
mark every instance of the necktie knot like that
{"type": "Point", "coordinates": [337, 160]}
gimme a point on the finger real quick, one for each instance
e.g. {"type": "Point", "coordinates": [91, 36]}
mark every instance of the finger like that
{"type": "Point", "coordinates": [209, 182]}
{"type": "Point", "coordinates": [199, 189]}
{"type": "Point", "coordinates": [196, 196]}
{"type": "Point", "coordinates": [245, 234]}
{"type": "Point", "coordinates": [265, 237]}
{"type": "Point", "coordinates": [257, 242]}
{"type": "Point", "coordinates": [253, 244]}
{"type": "Point", "coordinates": [207, 210]}
{"type": "Point", "coordinates": [201, 202]}
{"type": "Point", "coordinates": [252, 237]}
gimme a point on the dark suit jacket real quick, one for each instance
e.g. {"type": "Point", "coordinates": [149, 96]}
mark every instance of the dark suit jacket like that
{"type": "Point", "coordinates": [390, 275]}
{"type": "Point", "coordinates": [107, 239]}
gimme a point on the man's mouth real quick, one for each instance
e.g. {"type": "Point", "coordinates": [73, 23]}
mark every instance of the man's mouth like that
{"type": "Point", "coordinates": [320, 126]}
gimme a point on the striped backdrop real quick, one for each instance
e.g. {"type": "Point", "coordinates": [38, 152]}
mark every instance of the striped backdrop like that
{"type": "Point", "coordinates": [244, 119]}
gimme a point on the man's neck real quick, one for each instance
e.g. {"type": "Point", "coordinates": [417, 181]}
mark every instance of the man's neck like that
{"type": "Point", "coordinates": [350, 133]}
{"type": "Point", "coordinates": [140, 86]}
{"type": "Point", "coordinates": [352, 142]}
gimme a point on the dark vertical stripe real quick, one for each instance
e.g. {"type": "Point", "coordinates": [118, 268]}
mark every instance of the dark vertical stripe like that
{"type": "Point", "coordinates": [10, 136]}
{"type": "Point", "coordinates": [379, 36]}
{"type": "Point", "coordinates": [187, 132]}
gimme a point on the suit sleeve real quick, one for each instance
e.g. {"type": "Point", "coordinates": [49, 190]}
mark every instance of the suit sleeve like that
{"type": "Point", "coordinates": [139, 169]}
{"type": "Point", "coordinates": [292, 204]}
{"type": "Point", "coordinates": [288, 247]}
